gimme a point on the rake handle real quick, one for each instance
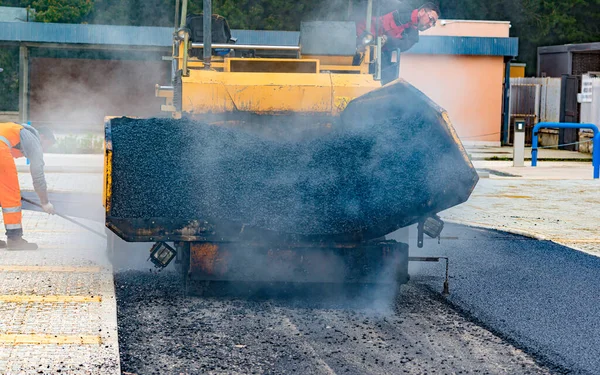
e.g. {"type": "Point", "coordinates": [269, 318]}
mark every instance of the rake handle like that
{"type": "Point", "coordinates": [66, 218]}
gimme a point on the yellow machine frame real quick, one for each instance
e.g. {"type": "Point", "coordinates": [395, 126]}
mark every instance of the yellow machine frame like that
{"type": "Point", "coordinates": [306, 84]}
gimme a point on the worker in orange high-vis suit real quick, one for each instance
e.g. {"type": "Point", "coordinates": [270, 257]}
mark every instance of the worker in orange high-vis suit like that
{"type": "Point", "coordinates": [18, 141]}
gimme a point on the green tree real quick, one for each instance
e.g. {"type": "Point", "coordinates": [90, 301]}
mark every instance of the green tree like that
{"type": "Point", "coordinates": [260, 15]}
{"type": "Point", "coordinates": [9, 79]}
{"type": "Point", "coordinates": [62, 11]}
{"type": "Point", "coordinates": [536, 23]}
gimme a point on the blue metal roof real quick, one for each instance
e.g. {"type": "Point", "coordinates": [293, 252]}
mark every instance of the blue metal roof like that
{"type": "Point", "coordinates": [465, 45]}
{"type": "Point", "coordinates": [62, 33]}
{"type": "Point", "coordinates": [34, 32]}
{"type": "Point", "coordinates": [145, 36]}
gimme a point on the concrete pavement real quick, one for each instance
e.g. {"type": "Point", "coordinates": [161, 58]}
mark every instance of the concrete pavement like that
{"type": "Point", "coordinates": [506, 153]}
{"type": "Point", "coordinates": [67, 163]}
{"type": "Point", "coordinates": [556, 201]}
{"type": "Point", "coordinates": [57, 303]}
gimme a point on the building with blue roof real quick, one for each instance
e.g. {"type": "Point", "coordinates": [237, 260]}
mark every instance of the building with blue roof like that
{"type": "Point", "coordinates": [97, 70]}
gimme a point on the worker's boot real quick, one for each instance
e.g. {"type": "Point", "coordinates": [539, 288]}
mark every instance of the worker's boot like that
{"type": "Point", "coordinates": [18, 243]}
{"type": "Point", "coordinates": [2, 244]}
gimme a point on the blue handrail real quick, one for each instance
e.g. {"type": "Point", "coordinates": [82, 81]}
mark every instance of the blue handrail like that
{"type": "Point", "coordinates": [596, 155]}
{"type": "Point", "coordinates": [568, 125]}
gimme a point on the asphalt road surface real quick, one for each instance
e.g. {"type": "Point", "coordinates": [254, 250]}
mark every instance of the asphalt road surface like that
{"type": "Point", "coordinates": [538, 294]}
{"type": "Point", "coordinates": [533, 295]}
{"type": "Point", "coordinates": [516, 306]}
{"type": "Point", "coordinates": [161, 332]}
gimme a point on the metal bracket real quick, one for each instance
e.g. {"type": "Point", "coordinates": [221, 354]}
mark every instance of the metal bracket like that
{"type": "Point", "coordinates": [431, 226]}
{"type": "Point", "coordinates": [446, 289]}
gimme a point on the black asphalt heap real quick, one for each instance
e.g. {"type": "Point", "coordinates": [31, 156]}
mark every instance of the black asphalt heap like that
{"type": "Point", "coordinates": [389, 160]}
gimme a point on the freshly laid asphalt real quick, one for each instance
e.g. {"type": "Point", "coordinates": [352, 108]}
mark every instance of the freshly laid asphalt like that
{"type": "Point", "coordinates": [541, 296]}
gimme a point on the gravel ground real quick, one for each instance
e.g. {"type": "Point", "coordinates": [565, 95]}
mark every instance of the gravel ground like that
{"type": "Point", "coordinates": [161, 332]}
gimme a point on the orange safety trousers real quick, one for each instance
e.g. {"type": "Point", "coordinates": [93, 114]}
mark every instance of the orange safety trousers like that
{"type": "Point", "coordinates": [10, 193]}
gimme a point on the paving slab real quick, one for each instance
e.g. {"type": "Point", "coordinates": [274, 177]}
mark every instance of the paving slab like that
{"type": "Point", "coordinates": [66, 182]}
{"type": "Point", "coordinates": [546, 170]}
{"type": "Point", "coordinates": [506, 152]}
{"type": "Point", "coordinates": [67, 163]}
{"type": "Point", "coordinates": [57, 304]}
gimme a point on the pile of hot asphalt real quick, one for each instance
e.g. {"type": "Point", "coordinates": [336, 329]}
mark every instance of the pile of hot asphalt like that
{"type": "Point", "coordinates": [359, 177]}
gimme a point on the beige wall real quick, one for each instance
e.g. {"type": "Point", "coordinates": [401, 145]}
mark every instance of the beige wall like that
{"type": "Point", "coordinates": [468, 87]}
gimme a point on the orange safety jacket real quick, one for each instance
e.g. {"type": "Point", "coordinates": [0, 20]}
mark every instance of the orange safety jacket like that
{"type": "Point", "coordinates": [10, 134]}
{"type": "Point", "coordinates": [10, 194]}
{"type": "Point", "coordinates": [26, 144]}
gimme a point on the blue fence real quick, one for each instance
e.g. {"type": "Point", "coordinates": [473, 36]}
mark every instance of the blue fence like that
{"type": "Point", "coordinates": [568, 125]}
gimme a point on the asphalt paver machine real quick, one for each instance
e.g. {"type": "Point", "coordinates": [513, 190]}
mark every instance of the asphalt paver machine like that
{"type": "Point", "coordinates": [282, 163]}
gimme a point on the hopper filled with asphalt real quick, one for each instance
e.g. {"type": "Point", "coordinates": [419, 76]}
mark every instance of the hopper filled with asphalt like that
{"type": "Point", "coordinates": [390, 159]}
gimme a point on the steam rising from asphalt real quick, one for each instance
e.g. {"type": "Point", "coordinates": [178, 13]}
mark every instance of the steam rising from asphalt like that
{"type": "Point", "coordinates": [94, 89]}
{"type": "Point", "coordinates": [100, 91]}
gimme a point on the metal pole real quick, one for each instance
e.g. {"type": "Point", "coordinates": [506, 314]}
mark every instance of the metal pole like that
{"type": "Point", "coordinates": [378, 59]}
{"type": "Point", "coordinates": [369, 16]}
{"type": "Point", "coordinates": [183, 13]}
{"type": "Point", "coordinates": [24, 84]}
{"type": "Point", "coordinates": [177, 3]}
{"type": "Point", "coordinates": [519, 143]}
{"type": "Point", "coordinates": [350, 10]}
{"type": "Point", "coordinates": [506, 122]}
{"type": "Point", "coordinates": [184, 66]}
{"type": "Point", "coordinates": [207, 35]}
{"type": "Point", "coordinates": [596, 155]}
{"type": "Point", "coordinates": [568, 125]}
{"type": "Point", "coordinates": [379, 44]}
{"type": "Point", "coordinates": [248, 46]}
{"type": "Point", "coordinates": [66, 218]}
{"type": "Point", "coordinates": [186, 40]}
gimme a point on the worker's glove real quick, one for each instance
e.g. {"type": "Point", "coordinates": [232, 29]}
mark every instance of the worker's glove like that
{"type": "Point", "coordinates": [49, 208]}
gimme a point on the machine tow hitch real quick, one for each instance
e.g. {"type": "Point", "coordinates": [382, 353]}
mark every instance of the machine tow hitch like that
{"type": "Point", "coordinates": [446, 290]}
{"type": "Point", "coordinates": [432, 227]}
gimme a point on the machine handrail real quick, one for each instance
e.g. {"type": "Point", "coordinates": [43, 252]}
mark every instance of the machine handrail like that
{"type": "Point", "coordinates": [248, 46]}
{"type": "Point", "coordinates": [568, 125]}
